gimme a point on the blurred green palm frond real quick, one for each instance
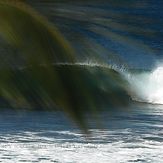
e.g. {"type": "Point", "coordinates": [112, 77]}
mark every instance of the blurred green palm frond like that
{"type": "Point", "coordinates": [30, 32]}
{"type": "Point", "coordinates": [39, 83]}
{"type": "Point", "coordinates": [41, 45]}
{"type": "Point", "coordinates": [51, 76]}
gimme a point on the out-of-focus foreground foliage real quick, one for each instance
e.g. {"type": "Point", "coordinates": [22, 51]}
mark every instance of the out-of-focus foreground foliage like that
{"type": "Point", "coordinates": [47, 74]}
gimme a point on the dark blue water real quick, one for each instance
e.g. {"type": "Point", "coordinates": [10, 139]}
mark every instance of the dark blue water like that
{"type": "Point", "coordinates": [130, 135]}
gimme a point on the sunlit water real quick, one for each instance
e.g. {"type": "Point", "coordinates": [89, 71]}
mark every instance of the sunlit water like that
{"type": "Point", "coordinates": [132, 135]}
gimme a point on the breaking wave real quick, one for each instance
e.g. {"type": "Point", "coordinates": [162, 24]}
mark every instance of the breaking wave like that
{"type": "Point", "coordinates": [142, 85]}
{"type": "Point", "coordinates": [108, 85]}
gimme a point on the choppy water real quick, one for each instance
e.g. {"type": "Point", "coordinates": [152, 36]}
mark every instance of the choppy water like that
{"type": "Point", "coordinates": [132, 135]}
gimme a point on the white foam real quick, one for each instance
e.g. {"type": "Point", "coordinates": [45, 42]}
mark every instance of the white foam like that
{"type": "Point", "coordinates": [39, 149]}
{"type": "Point", "coordinates": [147, 86]}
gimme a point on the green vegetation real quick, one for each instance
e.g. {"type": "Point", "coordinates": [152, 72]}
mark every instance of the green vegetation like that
{"type": "Point", "coordinates": [39, 82]}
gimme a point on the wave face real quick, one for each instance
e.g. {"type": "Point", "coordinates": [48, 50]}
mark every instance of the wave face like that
{"type": "Point", "coordinates": [146, 86]}
{"type": "Point", "coordinates": [85, 85]}
{"type": "Point", "coordinates": [105, 84]}
{"type": "Point", "coordinates": [141, 85]}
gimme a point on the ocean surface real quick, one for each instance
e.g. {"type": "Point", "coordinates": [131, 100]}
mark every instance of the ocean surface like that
{"type": "Point", "coordinates": [132, 135]}
{"type": "Point", "coordinates": [127, 134]}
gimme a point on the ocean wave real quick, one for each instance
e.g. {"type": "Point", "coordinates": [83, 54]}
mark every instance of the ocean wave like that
{"type": "Point", "coordinates": [141, 85]}
{"type": "Point", "coordinates": [104, 85]}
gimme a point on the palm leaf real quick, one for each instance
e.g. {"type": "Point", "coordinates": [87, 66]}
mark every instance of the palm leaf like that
{"type": "Point", "coordinates": [41, 45]}
{"type": "Point", "coordinates": [51, 75]}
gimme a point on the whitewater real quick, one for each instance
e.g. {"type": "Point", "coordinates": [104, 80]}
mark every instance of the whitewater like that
{"type": "Point", "coordinates": [125, 136]}
{"type": "Point", "coordinates": [146, 86]}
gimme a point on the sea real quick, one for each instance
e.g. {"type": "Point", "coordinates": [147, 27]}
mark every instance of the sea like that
{"type": "Point", "coordinates": [127, 35]}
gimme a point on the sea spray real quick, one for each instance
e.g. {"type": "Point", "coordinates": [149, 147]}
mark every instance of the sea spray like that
{"type": "Point", "coordinates": [146, 86]}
